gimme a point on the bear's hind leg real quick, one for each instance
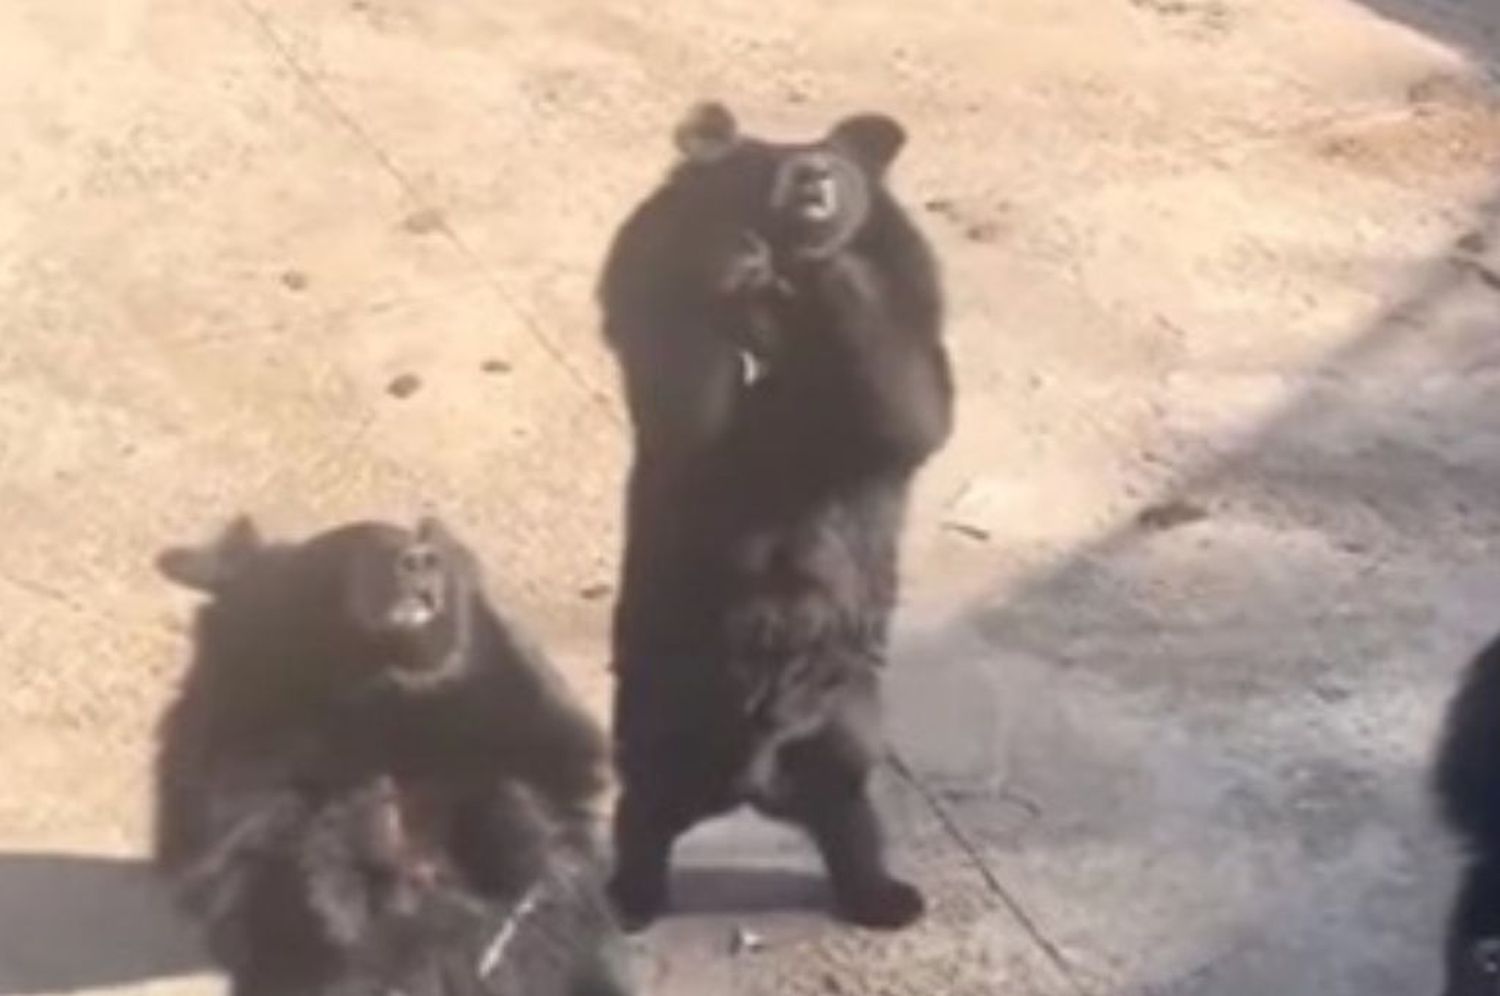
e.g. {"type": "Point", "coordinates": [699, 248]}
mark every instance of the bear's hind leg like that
{"type": "Point", "coordinates": [644, 835]}
{"type": "Point", "coordinates": [1473, 953]}
{"type": "Point", "coordinates": [823, 787]}
{"type": "Point", "coordinates": [658, 803]}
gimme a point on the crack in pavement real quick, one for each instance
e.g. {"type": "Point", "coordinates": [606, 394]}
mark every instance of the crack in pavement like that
{"type": "Point", "coordinates": [439, 222]}
{"type": "Point", "coordinates": [954, 829]}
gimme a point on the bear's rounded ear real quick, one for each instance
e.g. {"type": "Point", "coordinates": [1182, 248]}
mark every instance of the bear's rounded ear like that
{"type": "Point", "coordinates": [872, 139]}
{"type": "Point", "coordinates": [708, 132]}
{"type": "Point", "coordinates": [433, 530]}
{"type": "Point", "coordinates": [210, 567]}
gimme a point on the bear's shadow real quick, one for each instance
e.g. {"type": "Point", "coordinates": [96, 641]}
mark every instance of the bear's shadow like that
{"type": "Point", "coordinates": [70, 922]}
{"type": "Point", "coordinates": [710, 890]}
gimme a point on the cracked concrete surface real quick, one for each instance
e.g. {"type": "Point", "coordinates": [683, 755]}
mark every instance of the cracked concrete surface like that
{"type": "Point", "coordinates": [1186, 593]}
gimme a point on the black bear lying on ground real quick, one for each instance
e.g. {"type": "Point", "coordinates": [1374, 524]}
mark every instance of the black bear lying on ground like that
{"type": "Point", "coordinates": [777, 318]}
{"type": "Point", "coordinates": [1467, 781]}
{"type": "Point", "coordinates": [370, 783]}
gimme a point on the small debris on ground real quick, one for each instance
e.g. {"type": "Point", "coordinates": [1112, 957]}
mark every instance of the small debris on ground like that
{"type": "Point", "coordinates": [1473, 242]}
{"type": "Point", "coordinates": [594, 592]}
{"type": "Point", "coordinates": [982, 231]}
{"type": "Point", "coordinates": [1491, 278]}
{"type": "Point", "coordinates": [972, 224]}
{"type": "Point", "coordinates": [495, 366]}
{"type": "Point", "coordinates": [294, 280]}
{"type": "Point", "coordinates": [404, 386]}
{"type": "Point", "coordinates": [969, 531]}
{"type": "Point", "coordinates": [424, 222]}
{"type": "Point", "coordinates": [745, 941]}
{"type": "Point", "coordinates": [1170, 514]}
{"type": "Point", "coordinates": [1331, 692]}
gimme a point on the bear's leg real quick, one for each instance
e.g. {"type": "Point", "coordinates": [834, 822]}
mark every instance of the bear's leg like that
{"type": "Point", "coordinates": [823, 786]}
{"type": "Point", "coordinates": [1474, 932]}
{"type": "Point", "coordinates": [658, 803]}
{"type": "Point", "coordinates": [646, 826]}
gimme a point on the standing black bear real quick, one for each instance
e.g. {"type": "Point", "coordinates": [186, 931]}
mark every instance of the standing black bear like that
{"type": "Point", "coordinates": [371, 783]}
{"type": "Point", "coordinates": [1467, 781]}
{"type": "Point", "coordinates": [777, 318]}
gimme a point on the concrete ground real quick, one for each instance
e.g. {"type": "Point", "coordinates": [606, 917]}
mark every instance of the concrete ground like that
{"type": "Point", "coordinates": [1187, 590]}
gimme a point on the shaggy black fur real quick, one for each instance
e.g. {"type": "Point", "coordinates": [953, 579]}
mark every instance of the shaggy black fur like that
{"type": "Point", "coordinates": [1467, 781]}
{"type": "Point", "coordinates": [369, 776]}
{"type": "Point", "coordinates": [777, 320]}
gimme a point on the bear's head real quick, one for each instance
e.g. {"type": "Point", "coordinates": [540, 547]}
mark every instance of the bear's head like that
{"type": "Point", "coordinates": [808, 200]}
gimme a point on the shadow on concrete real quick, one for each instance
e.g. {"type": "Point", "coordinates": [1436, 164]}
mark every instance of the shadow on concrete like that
{"type": "Point", "coordinates": [1472, 26]}
{"type": "Point", "coordinates": [705, 890]}
{"type": "Point", "coordinates": [70, 922]}
{"type": "Point", "coordinates": [1195, 751]}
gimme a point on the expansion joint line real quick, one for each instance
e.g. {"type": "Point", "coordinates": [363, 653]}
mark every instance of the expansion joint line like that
{"type": "Point", "coordinates": [388, 164]}
{"type": "Point", "coordinates": [954, 829]}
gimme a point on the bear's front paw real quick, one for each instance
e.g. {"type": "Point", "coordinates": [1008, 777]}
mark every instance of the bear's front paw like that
{"type": "Point", "coordinates": [749, 269]}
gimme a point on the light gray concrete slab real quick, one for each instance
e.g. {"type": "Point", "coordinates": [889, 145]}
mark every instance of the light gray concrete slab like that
{"type": "Point", "coordinates": [1231, 263]}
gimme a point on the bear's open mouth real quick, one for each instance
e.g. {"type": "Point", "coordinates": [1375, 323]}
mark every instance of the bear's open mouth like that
{"type": "Point", "coordinates": [816, 200]}
{"type": "Point", "coordinates": [413, 612]}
